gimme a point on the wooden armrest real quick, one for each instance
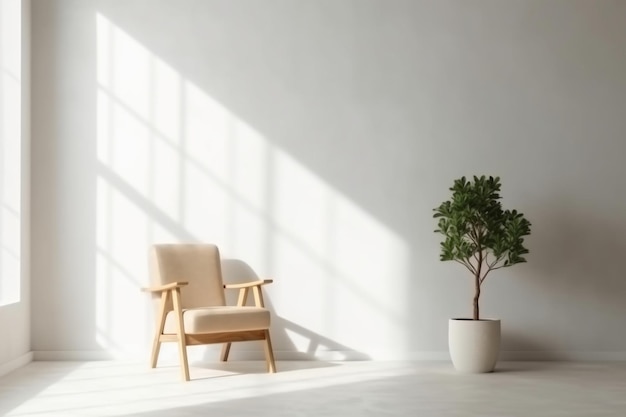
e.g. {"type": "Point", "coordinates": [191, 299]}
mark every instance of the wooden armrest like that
{"type": "Point", "coordinates": [167, 287]}
{"type": "Point", "coordinates": [249, 284]}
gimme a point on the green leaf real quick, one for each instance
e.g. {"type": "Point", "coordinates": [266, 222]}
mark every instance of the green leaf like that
{"type": "Point", "coordinates": [473, 223]}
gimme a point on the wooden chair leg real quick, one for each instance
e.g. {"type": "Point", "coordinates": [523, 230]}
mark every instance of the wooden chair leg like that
{"type": "Point", "coordinates": [269, 353]}
{"type": "Point", "coordinates": [182, 351]}
{"type": "Point", "coordinates": [241, 301]}
{"type": "Point", "coordinates": [182, 341]}
{"type": "Point", "coordinates": [156, 344]}
{"type": "Point", "coordinates": [225, 351]}
{"type": "Point", "coordinates": [156, 347]}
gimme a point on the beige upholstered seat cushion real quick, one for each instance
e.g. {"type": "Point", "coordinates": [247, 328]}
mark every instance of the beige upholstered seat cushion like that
{"type": "Point", "coordinates": [219, 319]}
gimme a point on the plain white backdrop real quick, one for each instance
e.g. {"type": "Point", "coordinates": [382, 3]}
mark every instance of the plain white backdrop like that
{"type": "Point", "coordinates": [311, 141]}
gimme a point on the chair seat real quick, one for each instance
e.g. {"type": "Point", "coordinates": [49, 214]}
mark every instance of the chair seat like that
{"type": "Point", "coordinates": [219, 319]}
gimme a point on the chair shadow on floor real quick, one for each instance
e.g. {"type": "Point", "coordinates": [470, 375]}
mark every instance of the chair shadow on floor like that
{"type": "Point", "coordinates": [320, 351]}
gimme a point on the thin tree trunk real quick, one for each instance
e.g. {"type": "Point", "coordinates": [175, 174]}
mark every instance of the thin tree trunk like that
{"type": "Point", "coordinates": [477, 283]}
{"type": "Point", "coordinates": [476, 296]}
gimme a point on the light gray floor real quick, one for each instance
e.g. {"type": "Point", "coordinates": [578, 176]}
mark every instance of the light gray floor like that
{"type": "Point", "coordinates": [315, 389]}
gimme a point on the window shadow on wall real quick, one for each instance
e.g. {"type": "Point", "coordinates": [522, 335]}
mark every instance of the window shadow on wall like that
{"type": "Point", "coordinates": [175, 164]}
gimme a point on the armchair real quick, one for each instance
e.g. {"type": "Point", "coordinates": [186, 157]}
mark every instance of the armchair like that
{"type": "Point", "coordinates": [187, 278]}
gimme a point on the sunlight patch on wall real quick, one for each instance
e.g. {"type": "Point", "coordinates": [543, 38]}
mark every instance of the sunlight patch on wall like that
{"type": "Point", "coordinates": [347, 264]}
{"type": "Point", "coordinates": [10, 150]}
{"type": "Point", "coordinates": [175, 165]}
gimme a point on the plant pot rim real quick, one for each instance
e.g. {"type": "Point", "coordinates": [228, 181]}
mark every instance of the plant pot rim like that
{"type": "Point", "coordinates": [468, 319]}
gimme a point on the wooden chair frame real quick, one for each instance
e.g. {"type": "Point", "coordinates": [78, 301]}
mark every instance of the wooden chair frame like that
{"type": "Point", "coordinates": [183, 339]}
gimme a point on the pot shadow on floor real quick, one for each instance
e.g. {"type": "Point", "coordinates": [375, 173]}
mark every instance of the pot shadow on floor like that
{"type": "Point", "coordinates": [519, 353]}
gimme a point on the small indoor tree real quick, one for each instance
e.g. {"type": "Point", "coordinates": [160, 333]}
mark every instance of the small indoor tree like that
{"type": "Point", "coordinates": [478, 233]}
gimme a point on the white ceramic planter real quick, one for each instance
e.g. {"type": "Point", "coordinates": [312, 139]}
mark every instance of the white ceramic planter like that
{"type": "Point", "coordinates": [474, 344]}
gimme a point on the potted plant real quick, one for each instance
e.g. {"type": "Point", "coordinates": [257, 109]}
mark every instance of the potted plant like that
{"type": "Point", "coordinates": [482, 237]}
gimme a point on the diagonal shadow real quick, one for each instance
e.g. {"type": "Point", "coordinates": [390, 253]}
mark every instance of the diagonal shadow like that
{"type": "Point", "coordinates": [351, 284]}
{"type": "Point", "coordinates": [238, 271]}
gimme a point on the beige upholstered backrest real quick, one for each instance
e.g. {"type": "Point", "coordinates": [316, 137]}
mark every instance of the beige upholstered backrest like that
{"type": "Point", "coordinates": [198, 264]}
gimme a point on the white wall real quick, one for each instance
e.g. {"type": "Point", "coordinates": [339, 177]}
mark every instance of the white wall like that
{"type": "Point", "coordinates": [15, 316]}
{"type": "Point", "coordinates": [312, 140]}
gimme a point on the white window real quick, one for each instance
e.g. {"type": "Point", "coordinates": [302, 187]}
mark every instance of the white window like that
{"type": "Point", "coordinates": [10, 149]}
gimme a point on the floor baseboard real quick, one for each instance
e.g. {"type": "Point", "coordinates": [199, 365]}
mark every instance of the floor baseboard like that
{"type": "Point", "coordinates": [72, 355]}
{"type": "Point", "coordinates": [97, 355]}
{"type": "Point", "coordinates": [14, 364]}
